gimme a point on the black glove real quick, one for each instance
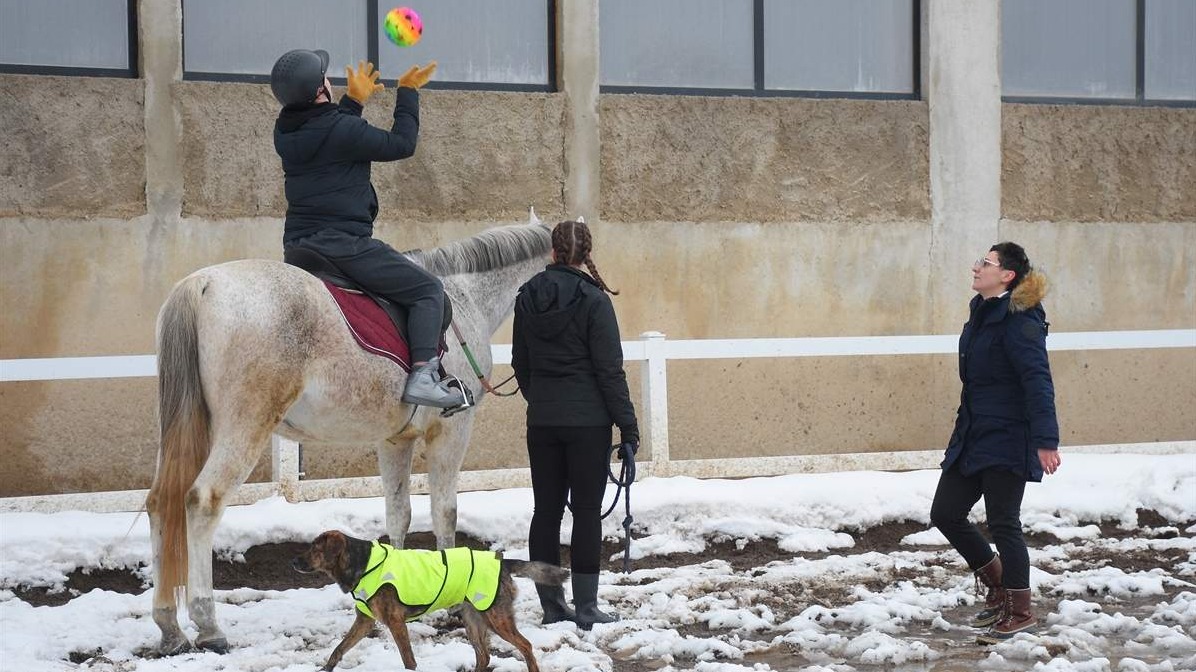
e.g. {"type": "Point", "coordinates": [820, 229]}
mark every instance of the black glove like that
{"type": "Point", "coordinates": [628, 448]}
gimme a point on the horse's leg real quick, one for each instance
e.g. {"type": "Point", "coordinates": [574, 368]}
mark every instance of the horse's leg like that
{"type": "Point", "coordinates": [447, 443]}
{"type": "Point", "coordinates": [165, 599]}
{"type": "Point", "coordinates": [235, 451]}
{"type": "Point", "coordinates": [394, 464]}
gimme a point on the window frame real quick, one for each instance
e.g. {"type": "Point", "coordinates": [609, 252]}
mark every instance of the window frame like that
{"type": "Point", "coordinates": [758, 89]}
{"type": "Point", "coordinates": [372, 52]}
{"type": "Point", "coordinates": [1139, 99]}
{"type": "Point", "coordinates": [133, 71]}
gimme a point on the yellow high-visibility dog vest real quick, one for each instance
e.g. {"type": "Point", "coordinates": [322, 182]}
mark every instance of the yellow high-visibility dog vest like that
{"type": "Point", "coordinates": [430, 579]}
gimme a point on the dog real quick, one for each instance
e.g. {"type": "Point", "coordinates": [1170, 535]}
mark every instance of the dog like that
{"type": "Point", "coordinates": [379, 577]}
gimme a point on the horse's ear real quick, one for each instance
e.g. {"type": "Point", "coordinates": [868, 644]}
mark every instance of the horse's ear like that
{"type": "Point", "coordinates": [581, 219]}
{"type": "Point", "coordinates": [531, 216]}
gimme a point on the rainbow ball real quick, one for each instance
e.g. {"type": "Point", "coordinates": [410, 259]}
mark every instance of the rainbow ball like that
{"type": "Point", "coordinates": [403, 26]}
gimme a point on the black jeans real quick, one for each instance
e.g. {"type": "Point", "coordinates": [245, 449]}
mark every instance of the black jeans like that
{"type": "Point", "coordinates": [377, 267]}
{"type": "Point", "coordinates": [1002, 491]}
{"type": "Point", "coordinates": [568, 462]}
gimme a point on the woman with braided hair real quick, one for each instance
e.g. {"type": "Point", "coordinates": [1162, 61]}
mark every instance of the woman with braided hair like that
{"type": "Point", "coordinates": [1006, 434]}
{"type": "Point", "coordinates": [568, 360]}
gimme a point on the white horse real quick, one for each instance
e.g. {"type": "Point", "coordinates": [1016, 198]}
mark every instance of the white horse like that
{"type": "Point", "coordinates": [249, 348]}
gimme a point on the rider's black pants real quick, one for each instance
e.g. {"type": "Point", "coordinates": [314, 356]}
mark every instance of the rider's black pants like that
{"type": "Point", "coordinates": [568, 462]}
{"type": "Point", "coordinates": [377, 267]}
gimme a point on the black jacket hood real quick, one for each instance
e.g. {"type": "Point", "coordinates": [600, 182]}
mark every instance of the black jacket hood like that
{"type": "Point", "coordinates": [550, 300]}
{"type": "Point", "coordinates": [303, 129]}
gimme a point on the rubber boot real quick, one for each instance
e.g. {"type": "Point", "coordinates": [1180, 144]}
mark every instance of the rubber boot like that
{"type": "Point", "coordinates": [552, 600]}
{"type": "Point", "coordinates": [425, 388]}
{"type": "Point", "coordinates": [1018, 617]}
{"type": "Point", "coordinates": [585, 599]}
{"type": "Point", "coordinates": [994, 603]}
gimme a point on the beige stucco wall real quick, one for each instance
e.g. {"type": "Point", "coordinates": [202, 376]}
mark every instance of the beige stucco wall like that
{"type": "Point", "coordinates": [720, 218]}
{"type": "Point", "coordinates": [73, 146]}
{"type": "Point", "coordinates": [1093, 163]}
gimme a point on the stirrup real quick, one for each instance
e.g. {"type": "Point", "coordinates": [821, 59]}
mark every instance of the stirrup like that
{"type": "Point", "coordinates": [466, 395]}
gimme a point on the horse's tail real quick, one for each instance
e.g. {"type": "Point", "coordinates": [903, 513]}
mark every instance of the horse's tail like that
{"type": "Point", "coordinates": [184, 423]}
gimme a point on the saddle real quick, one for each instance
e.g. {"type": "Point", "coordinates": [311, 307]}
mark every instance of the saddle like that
{"type": "Point", "coordinates": [362, 318]}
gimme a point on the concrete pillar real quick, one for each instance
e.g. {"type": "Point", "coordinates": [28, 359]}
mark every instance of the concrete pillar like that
{"type": "Point", "coordinates": [963, 90]}
{"type": "Point", "coordinates": [160, 44]}
{"type": "Point", "coordinates": [577, 63]}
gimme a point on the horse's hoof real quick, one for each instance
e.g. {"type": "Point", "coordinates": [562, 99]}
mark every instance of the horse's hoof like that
{"type": "Point", "coordinates": [218, 645]}
{"type": "Point", "coordinates": [173, 647]}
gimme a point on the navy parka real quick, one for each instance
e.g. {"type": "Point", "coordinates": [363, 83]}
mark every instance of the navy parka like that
{"type": "Point", "coordinates": [1007, 405]}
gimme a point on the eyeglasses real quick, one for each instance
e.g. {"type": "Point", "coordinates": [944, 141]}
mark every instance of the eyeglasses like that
{"type": "Point", "coordinates": [982, 262]}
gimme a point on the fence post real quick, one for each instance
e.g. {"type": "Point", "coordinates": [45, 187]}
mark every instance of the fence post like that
{"type": "Point", "coordinates": [655, 401]}
{"type": "Point", "coordinates": [284, 466]}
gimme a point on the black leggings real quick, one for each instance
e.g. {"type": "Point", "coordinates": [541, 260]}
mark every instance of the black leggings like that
{"type": "Point", "coordinates": [568, 462]}
{"type": "Point", "coordinates": [1002, 491]}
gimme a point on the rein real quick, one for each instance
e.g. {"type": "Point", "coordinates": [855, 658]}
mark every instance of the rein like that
{"type": "Point", "coordinates": [492, 389]}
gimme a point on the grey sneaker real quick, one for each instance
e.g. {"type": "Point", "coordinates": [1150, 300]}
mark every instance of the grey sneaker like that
{"type": "Point", "coordinates": [425, 388]}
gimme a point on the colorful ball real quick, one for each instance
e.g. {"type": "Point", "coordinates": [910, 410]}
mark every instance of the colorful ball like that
{"type": "Point", "coordinates": [403, 26]}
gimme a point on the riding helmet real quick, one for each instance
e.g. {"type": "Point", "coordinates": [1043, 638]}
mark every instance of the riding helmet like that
{"type": "Point", "coordinates": [298, 75]}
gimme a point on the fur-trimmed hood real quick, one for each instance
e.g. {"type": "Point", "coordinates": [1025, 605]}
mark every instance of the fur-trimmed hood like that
{"type": "Point", "coordinates": [1029, 292]}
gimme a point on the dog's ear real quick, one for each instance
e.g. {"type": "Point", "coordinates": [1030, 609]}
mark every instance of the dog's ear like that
{"type": "Point", "coordinates": [331, 545]}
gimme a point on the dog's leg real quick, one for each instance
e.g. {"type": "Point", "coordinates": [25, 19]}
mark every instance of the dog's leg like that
{"type": "Point", "coordinates": [501, 619]}
{"type": "Point", "coordinates": [361, 628]}
{"type": "Point", "coordinates": [479, 636]}
{"type": "Point", "coordinates": [395, 620]}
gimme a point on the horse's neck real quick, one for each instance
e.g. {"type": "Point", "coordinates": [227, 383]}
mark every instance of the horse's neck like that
{"type": "Point", "coordinates": [493, 292]}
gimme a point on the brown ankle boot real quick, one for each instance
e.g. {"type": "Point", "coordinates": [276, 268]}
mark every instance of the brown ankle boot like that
{"type": "Point", "coordinates": [994, 603]}
{"type": "Point", "coordinates": [1018, 618]}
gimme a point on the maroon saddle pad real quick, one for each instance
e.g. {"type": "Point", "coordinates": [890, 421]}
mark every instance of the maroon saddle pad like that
{"type": "Point", "coordinates": [371, 327]}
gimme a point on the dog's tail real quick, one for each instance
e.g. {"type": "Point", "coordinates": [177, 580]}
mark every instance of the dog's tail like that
{"type": "Point", "coordinates": [540, 572]}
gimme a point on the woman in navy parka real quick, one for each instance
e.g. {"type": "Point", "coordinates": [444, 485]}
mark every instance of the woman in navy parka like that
{"type": "Point", "coordinates": [1006, 433]}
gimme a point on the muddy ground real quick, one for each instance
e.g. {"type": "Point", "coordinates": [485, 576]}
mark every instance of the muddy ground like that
{"type": "Point", "coordinates": [266, 567]}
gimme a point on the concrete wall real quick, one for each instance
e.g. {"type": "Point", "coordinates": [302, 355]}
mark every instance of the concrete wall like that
{"type": "Point", "coordinates": [718, 218]}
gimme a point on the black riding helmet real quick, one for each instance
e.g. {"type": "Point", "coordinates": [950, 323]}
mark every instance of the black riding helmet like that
{"type": "Point", "coordinates": [298, 76]}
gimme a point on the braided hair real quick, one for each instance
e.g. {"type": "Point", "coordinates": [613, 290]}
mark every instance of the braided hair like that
{"type": "Point", "coordinates": [571, 245]}
{"type": "Point", "coordinates": [1013, 258]}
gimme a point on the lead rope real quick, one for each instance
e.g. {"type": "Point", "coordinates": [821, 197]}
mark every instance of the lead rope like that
{"type": "Point", "coordinates": [622, 482]}
{"type": "Point", "coordinates": [492, 389]}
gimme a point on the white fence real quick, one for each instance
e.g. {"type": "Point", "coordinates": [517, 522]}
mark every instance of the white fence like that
{"type": "Point", "coordinates": [653, 350]}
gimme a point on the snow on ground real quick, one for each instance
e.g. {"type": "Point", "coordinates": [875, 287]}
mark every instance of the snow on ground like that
{"type": "Point", "coordinates": [821, 606]}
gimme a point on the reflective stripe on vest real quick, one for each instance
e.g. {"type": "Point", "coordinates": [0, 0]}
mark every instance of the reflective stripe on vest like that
{"type": "Point", "coordinates": [430, 579]}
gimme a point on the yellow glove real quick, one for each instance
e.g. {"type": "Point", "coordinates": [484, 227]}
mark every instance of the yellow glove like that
{"type": "Point", "coordinates": [364, 82]}
{"type": "Point", "coordinates": [416, 77]}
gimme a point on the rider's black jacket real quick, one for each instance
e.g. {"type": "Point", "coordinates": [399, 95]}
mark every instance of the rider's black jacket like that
{"type": "Point", "coordinates": [326, 152]}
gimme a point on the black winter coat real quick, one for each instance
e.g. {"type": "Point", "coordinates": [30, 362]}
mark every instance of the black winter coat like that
{"type": "Point", "coordinates": [567, 354]}
{"type": "Point", "coordinates": [326, 152]}
{"type": "Point", "coordinates": [1007, 406]}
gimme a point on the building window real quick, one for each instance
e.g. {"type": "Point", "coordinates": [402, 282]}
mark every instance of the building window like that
{"type": "Point", "coordinates": [241, 39]}
{"type": "Point", "coordinates": [477, 43]}
{"type": "Point", "coordinates": [70, 37]}
{"type": "Point", "coordinates": [1100, 51]}
{"type": "Point", "coordinates": [700, 44]}
{"type": "Point", "coordinates": [1170, 50]}
{"type": "Point", "coordinates": [839, 45]}
{"type": "Point", "coordinates": [840, 48]}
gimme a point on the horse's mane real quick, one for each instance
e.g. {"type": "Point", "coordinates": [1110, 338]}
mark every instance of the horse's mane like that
{"type": "Point", "coordinates": [490, 249]}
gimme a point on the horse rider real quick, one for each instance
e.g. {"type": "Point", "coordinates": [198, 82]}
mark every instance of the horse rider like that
{"type": "Point", "coordinates": [326, 151]}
